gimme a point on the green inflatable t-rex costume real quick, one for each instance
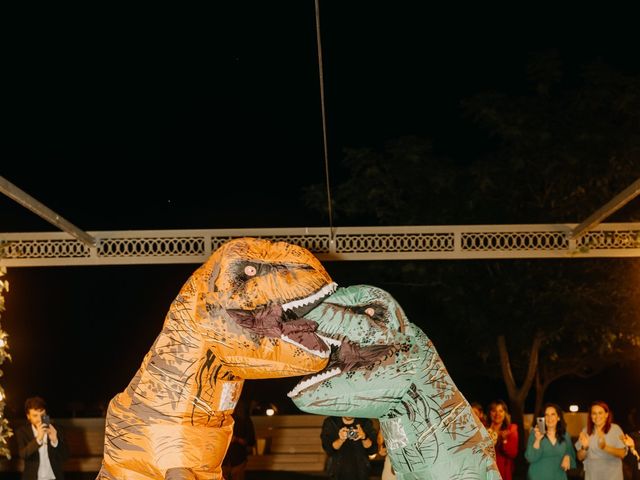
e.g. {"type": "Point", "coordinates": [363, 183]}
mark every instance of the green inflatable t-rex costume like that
{"type": "Point", "coordinates": [382, 366]}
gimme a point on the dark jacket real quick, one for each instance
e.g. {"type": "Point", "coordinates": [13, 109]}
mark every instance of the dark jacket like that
{"type": "Point", "coordinates": [244, 438]}
{"type": "Point", "coordinates": [28, 451]}
{"type": "Point", "coordinates": [351, 461]}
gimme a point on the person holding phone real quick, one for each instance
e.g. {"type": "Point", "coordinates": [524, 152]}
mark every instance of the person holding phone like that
{"type": "Point", "coordinates": [600, 446]}
{"type": "Point", "coordinates": [40, 444]}
{"type": "Point", "coordinates": [348, 442]}
{"type": "Point", "coordinates": [550, 452]}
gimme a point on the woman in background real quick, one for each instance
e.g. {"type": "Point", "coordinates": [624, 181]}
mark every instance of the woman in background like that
{"type": "Point", "coordinates": [550, 454]}
{"type": "Point", "coordinates": [478, 410]}
{"type": "Point", "coordinates": [600, 445]}
{"type": "Point", "coordinates": [505, 438]}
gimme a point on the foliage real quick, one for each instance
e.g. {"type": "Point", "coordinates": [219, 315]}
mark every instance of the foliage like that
{"type": "Point", "coordinates": [5, 429]}
{"type": "Point", "coordinates": [564, 147]}
{"type": "Point", "coordinates": [382, 190]}
{"type": "Point", "coordinates": [569, 144]}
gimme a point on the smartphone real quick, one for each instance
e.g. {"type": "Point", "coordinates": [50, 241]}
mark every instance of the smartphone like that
{"type": "Point", "coordinates": [46, 420]}
{"type": "Point", "coordinates": [541, 425]}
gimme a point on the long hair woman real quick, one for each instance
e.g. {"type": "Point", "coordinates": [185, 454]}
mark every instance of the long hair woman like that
{"type": "Point", "coordinates": [550, 453]}
{"type": "Point", "coordinates": [600, 445]}
{"type": "Point", "coordinates": [505, 437]}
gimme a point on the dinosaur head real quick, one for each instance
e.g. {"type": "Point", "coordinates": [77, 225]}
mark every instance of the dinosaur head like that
{"type": "Point", "coordinates": [371, 364]}
{"type": "Point", "coordinates": [252, 294]}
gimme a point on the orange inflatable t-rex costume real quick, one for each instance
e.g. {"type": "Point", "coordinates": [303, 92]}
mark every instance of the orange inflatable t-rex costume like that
{"type": "Point", "coordinates": [235, 318]}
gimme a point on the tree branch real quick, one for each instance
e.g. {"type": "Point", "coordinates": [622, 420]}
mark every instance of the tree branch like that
{"type": "Point", "coordinates": [507, 372]}
{"type": "Point", "coordinates": [533, 364]}
{"type": "Point", "coordinates": [505, 366]}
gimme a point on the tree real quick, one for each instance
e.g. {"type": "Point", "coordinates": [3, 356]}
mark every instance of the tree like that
{"type": "Point", "coordinates": [566, 146]}
{"type": "Point", "coordinates": [605, 328]}
{"type": "Point", "coordinates": [571, 144]}
{"type": "Point", "coordinates": [563, 147]}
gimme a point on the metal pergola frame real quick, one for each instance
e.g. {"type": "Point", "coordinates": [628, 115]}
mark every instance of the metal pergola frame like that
{"type": "Point", "coordinates": [74, 247]}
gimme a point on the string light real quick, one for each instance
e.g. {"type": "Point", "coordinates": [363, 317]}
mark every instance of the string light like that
{"type": "Point", "coordinates": [5, 429]}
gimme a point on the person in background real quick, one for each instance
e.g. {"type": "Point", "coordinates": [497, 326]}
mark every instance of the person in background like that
{"type": "Point", "coordinates": [387, 469]}
{"type": "Point", "coordinates": [631, 463]}
{"type": "Point", "coordinates": [600, 446]}
{"type": "Point", "coordinates": [40, 444]}
{"type": "Point", "coordinates": [505, 438]}
{"type": "Point", "coordinates": [633, 456]}
{"type": "Point", "coordinates": [478, 410]}
{"type": "Point", "coordinates": [348, 442]}
{"type": "Point", "coordinates": [243, 440]}
{"type": "Point", "coordinates": [550, 454]}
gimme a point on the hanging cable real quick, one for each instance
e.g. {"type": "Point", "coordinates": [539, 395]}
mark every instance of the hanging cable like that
{"type": "Point", "coordinates": [324, 119]}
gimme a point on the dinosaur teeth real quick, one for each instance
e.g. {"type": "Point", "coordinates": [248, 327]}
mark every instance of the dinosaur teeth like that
{"type": "Point", "coordinates": [320, 294]}
{"type": "Point", "coordinates": [329, 340]}
{"type": "Point", "coordinates": [312, 380]}
{"type": "Point", "coordinates": [319, 353]}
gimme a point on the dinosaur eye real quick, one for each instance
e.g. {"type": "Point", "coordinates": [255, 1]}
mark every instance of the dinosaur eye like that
{"type": "Point", "coordinates": [250, 271]}
{"type": "Point", "coordinates": [370, 311]}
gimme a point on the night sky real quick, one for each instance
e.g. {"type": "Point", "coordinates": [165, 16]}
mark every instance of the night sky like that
{"type": "Point", "coordinates": [149, 119]}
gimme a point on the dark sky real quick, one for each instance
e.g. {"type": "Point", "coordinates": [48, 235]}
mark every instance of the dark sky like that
{"type": "Point", "coordinates": [149, 119]}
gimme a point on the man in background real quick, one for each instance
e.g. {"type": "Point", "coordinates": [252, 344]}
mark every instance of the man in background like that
{"type": "Point", "coordinates": [40, 444]}
{"type": "Point", "coordinates": [348, 442]}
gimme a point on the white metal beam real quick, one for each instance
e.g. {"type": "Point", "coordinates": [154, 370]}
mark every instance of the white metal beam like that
{"type": "Point", "coordinates": [450, 242]}
{"type": "Point", "coordinates": [26, 200]}
{"type": "Point", "coordinates": [609, 208]}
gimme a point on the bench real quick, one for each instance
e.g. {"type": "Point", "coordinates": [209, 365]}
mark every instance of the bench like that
{"type": "Point", "coordinates": [285, 442]}
{"type": "Point", "coordinates": [288, 443]}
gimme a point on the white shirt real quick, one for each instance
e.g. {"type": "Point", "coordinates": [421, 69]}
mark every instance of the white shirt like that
{"type": "Point", "coordinates": [45, 472]}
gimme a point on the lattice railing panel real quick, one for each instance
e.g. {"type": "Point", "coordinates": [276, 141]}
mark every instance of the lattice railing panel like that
{"type": "Point", "coordinates": [388, 243]}
{"type": "Point", "coordinates": [617, 239]}
{"type": "Point", "coordinates": [70, 248]}
{"type": "Point", "coordinates": [314, 243]}
{"type": "Point", "coordinates": [508, 241]}
{"type": "Point", "coordinates": [152, 247]}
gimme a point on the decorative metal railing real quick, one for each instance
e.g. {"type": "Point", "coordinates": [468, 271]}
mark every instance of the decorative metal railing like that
{"type": "Point", "coordinates": [346, 243]}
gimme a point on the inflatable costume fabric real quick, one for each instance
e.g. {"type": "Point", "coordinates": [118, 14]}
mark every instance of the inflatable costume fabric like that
{"type": "Point", "coordinates": [385, 367]}
{"type": "Point", "coordinates": [236, 317]}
